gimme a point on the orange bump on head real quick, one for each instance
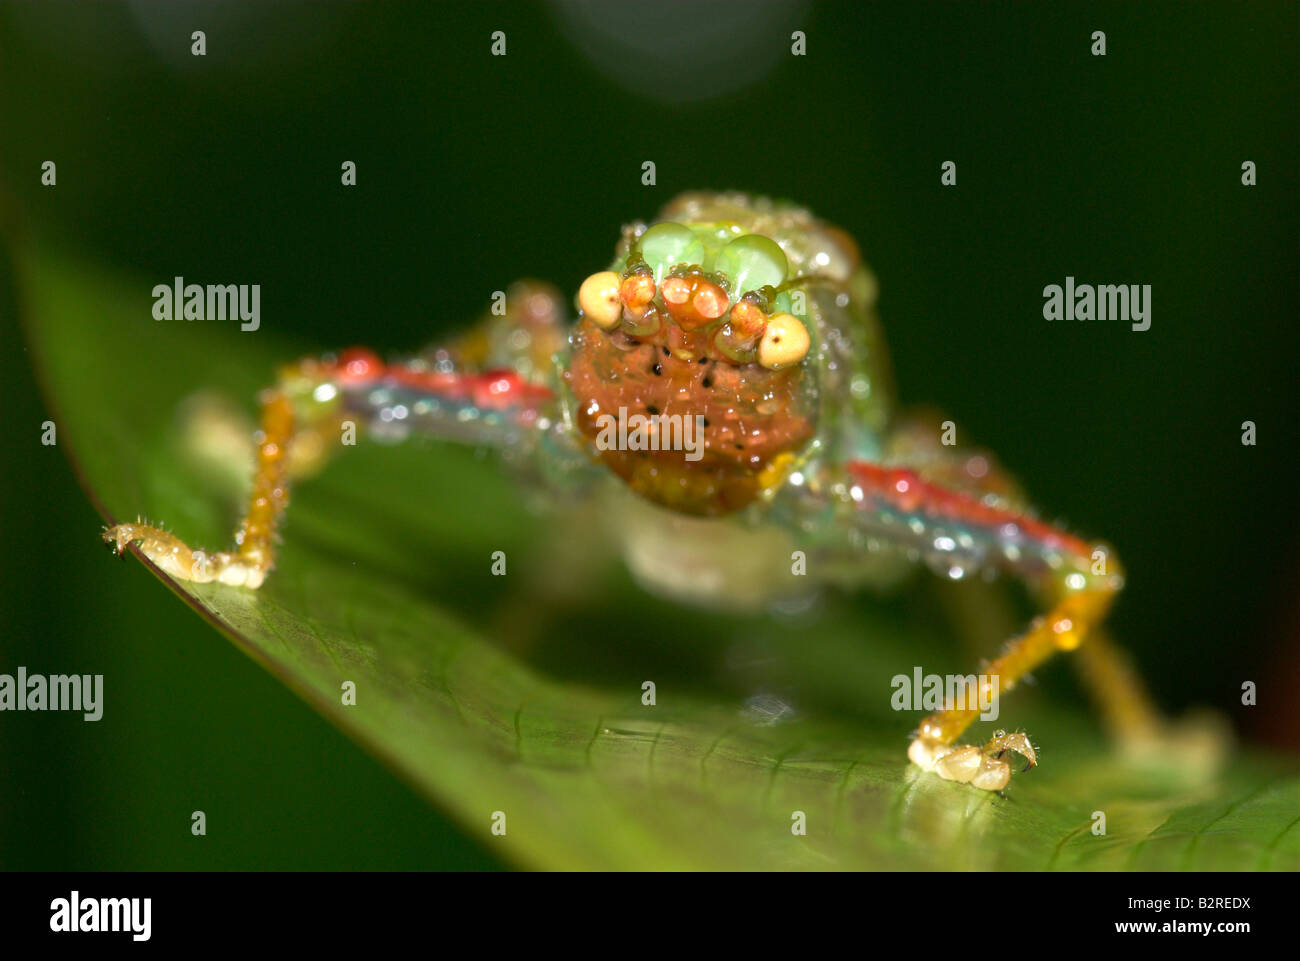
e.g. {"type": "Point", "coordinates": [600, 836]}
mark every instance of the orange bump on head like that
{"type": "Point", "coordinates": [636, 292]}
{"type": "Point", "coordinates": [710, 302]}
{"type": "Point", "coordinates": [747, 320]}
{"type": "Point", "coordinates": [693, 301]}
{"type": "Point", "coordinates": [676, 290]}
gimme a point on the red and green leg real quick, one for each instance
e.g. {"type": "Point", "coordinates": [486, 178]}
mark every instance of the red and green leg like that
{"type": "Point", "coordinates": [1105, 669]}
{"type": "Point", "coordinates": [956, 528]}
{"type": "Point", "coordinates": [308, 410]}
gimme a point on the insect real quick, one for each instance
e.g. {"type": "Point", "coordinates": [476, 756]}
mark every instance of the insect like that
{"type": "Point", "coordinates": [753, 323]}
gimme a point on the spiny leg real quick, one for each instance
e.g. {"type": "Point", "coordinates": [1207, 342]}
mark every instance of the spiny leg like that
{"type": "Point", "coordinates": [1122, 699]}
{"type": "Point", "coordinates": [311, 401]}
{"type": "Point", "coordinates": [249, 563]}
{"type": "Point", "coordinates": [963, 533]}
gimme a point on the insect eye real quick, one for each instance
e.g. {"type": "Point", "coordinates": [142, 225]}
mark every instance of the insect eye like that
{"type": "Point", "coordinates": [667, 244]}
{"type": "Point", "coordinates": [598, 299]}
{"type": "Point", "coordinates": [752, 261]}
{"type": "Point", "coordinates": [785, 342]}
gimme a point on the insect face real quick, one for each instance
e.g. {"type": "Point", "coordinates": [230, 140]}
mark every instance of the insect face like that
{"type": "Point", "coordinates": [692, 329]}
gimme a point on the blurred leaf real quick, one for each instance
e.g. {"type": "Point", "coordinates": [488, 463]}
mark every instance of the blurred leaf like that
{"type": "Point", "coordinates": [488, 697]}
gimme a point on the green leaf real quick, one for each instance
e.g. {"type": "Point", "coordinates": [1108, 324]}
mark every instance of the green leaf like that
{"type": "Point", "coordinates": [522, 694]}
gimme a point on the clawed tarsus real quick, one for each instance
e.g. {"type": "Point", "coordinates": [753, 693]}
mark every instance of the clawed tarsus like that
{"type": "Point", "coordinates": [980, 767]}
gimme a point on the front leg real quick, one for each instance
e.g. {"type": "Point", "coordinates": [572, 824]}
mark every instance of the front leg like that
{"type": "Point", "coordinates": [249, 563]}
{"type": "Point", "coordinates": [1113, 682]}
{"type": "Point", "coordinates": [448, 395]}
{"type": "Point", "coordinates": [963, 533]}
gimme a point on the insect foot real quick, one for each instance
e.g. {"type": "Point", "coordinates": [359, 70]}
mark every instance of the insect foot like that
{"type": "Point", "coordinates": [983, 768]}
{"type": "Point", "coordinates": [171, 555]}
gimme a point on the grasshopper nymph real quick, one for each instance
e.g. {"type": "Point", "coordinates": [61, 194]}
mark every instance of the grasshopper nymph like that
{"type": "Point", "coordinates": [757, 321]}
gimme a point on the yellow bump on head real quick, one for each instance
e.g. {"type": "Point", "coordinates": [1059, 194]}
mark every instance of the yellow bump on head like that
{"type": "Point", "coordinates": [599, 300]}
{"type": "Point", "coordinates": [785, 342]}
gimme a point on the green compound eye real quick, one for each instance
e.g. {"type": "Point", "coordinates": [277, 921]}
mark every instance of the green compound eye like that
{"type": "Point", "coordinates": [664, 245]}
{"type": "Point", "coordinates": [752, 261]}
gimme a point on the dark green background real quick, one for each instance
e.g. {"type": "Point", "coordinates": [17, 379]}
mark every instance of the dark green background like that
{"type": "Point", "coordinates": [473, 170]}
